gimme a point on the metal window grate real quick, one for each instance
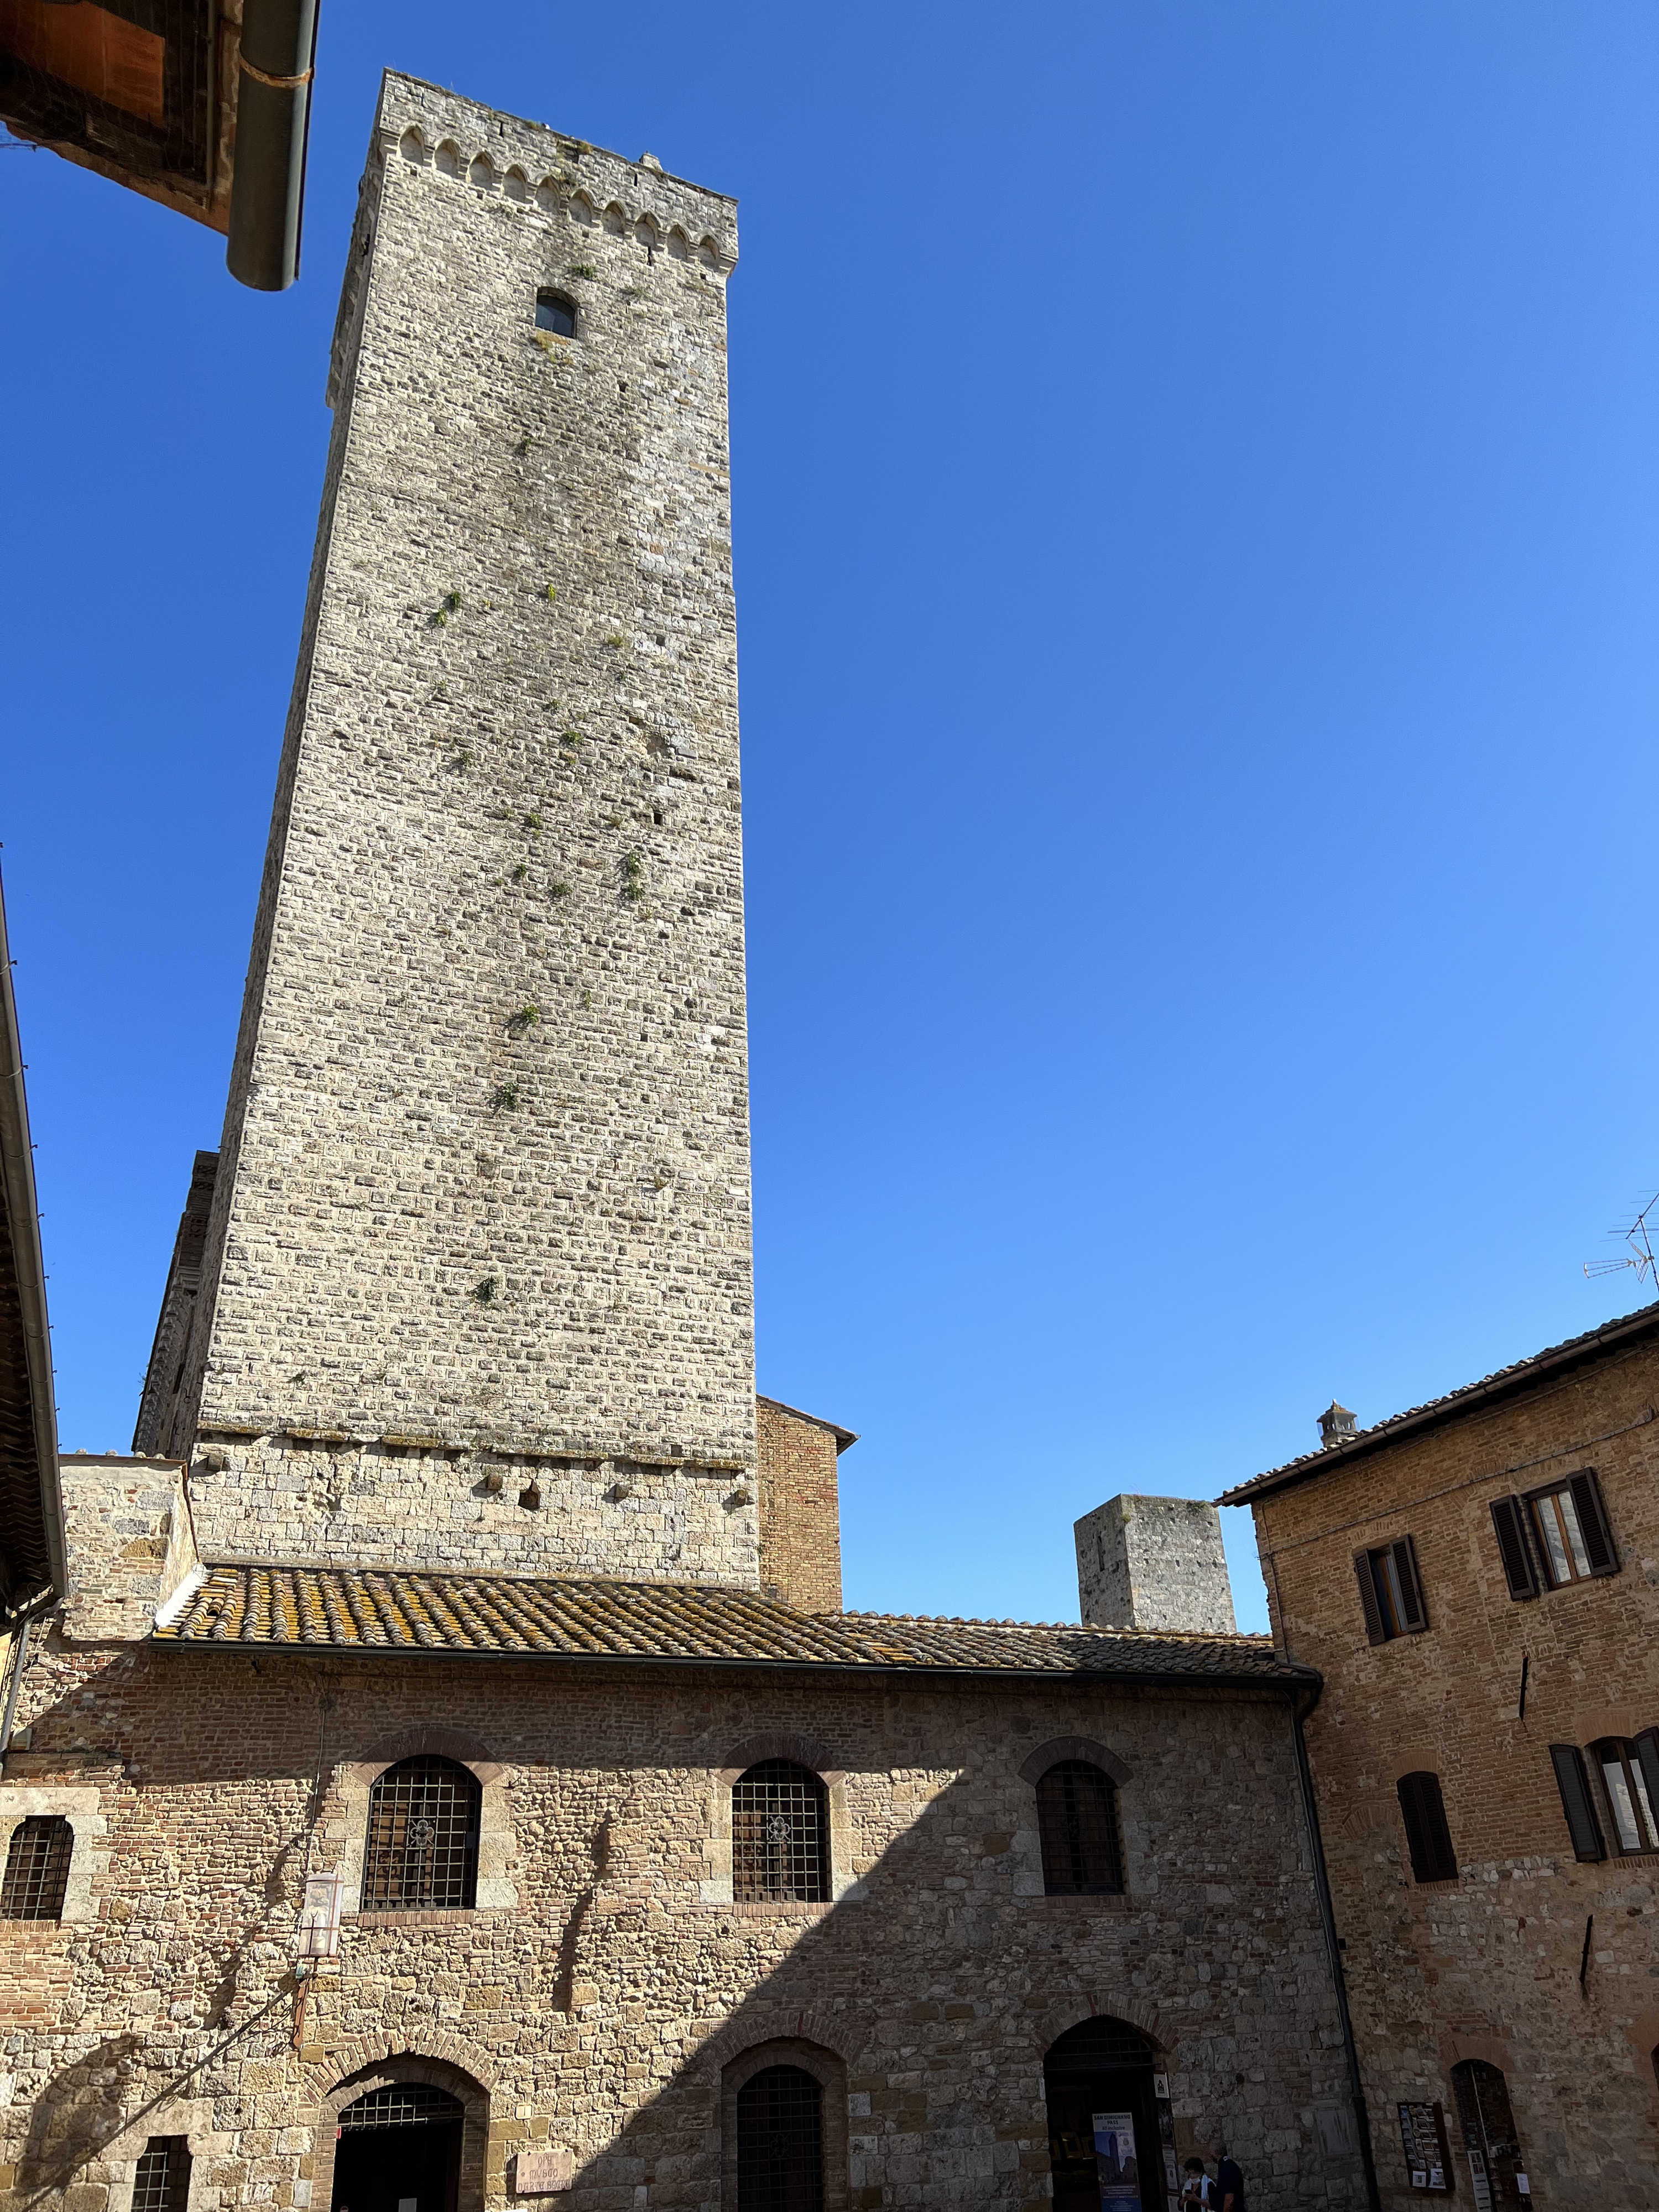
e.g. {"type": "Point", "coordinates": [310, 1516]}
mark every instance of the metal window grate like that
{"type": "Point", "coordinates": [402, 2104]}
{"type": "Point", "coordinates": [780, 2142]}
{"type": "Point", "coordinates": [1076, 1822]}
{"type": "Point", "coordinates": [163, 2181]}
{"type": "Point", "coordinates": [422, 1837]}
{"type": "Point", "coordinates": [778, 1827]}
{"type": "Point", "coordinates": [37, 1869]}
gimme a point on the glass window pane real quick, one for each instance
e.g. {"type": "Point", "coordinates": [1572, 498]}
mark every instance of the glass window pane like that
{"type": "Point", "coordinates": [1643, 1805]}
{"type": "Point", "coordinates": [1619, 1796]}
{"type": "Point", "coordinates": [1575, 1533]}
{"type": "Point", "coordinates": [1549, 1527]}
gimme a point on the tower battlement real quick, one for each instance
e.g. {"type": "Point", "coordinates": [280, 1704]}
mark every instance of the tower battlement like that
{"type": "Point", "coordinates": [482, 1205]}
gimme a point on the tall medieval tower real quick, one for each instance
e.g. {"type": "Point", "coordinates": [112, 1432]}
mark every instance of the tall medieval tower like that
{"type": "Point", "coordinates": [475, 1283]}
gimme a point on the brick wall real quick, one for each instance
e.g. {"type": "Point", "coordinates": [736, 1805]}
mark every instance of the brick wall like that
{"type": "Point", "coordinates": [1487, 1967]}
{"type": "Point", "coordinates": [799, 1507]}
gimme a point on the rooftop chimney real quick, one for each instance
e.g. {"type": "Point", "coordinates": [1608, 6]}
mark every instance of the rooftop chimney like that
{"type": "Point", "coordinates": [1337, 1426]}
{"type": "Point", "coordinates": [1154, 1563]}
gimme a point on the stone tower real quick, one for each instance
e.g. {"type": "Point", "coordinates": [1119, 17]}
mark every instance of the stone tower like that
{"type": "Point", "coordinates": [476, 1282]}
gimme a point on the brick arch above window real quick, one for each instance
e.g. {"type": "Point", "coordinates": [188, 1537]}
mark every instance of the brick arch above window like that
{"type": "Point", "coordinates": [1456, 2050]}
{"type": "Point", "coordinates": [828, 2069]}
{"type": "Point", "coordinates": [1420, 1758]}
{"type": "Point", "coordinates": [798, 1750]}
{"type": "Point", "coordinates": [340, 2072]}
{"type": "Point", "coordinates": [427, 1741]}
{"type": "Point", "coordinates": [1059, 1747]}
{"type": "Point", "coordinates": [830, 2032]}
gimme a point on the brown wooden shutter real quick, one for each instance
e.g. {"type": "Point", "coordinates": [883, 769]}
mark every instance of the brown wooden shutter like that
{"type": "Point", "coordinates": [1647, 1758]}
{"type": "Point", "coordinates": [1508, 1518]}
{"type": "Point", "coordinates": [1573, 1782]}
{"type": "Point", "coordinates": [1369, 1606]}
{"type": "Point", "coordinates": [1411, 1587]}
{"type": "Point", "coordinates": [1593, 1520]}
{"type": "Point", "coordinates": [1427, 1836]}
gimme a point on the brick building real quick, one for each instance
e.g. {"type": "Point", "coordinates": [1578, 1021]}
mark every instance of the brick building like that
{"type": "Point", "coordinates": [1475, 1581]}
{"type": "Point", "coordinates": [444, 1777]}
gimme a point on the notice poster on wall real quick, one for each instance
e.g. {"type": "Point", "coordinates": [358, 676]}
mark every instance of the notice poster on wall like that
{"type": "Point", "coordinates": [1114, 2160]}
{"type": "Point", "coordinates": [1423, 2131]}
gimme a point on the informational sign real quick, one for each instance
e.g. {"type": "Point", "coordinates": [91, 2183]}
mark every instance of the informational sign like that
{"type": "Point", "coordinates": [1423, 2132]}
{"type": "Point", "coordinates": [317, 1934]}
{"type": "Point", "coordinates": [1482, 2184]}
{"type": "Point", "coordinates": [1115, 2162]}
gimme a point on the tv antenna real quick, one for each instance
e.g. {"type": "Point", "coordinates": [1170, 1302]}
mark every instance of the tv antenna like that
{"type": "Point", "coordinates": [1640, 1255]}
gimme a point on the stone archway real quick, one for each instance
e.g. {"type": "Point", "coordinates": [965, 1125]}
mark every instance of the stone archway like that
{"type": "Point", "coordinates": [433, 2087]}
{"type": "Point", "coordinates": [1109, 2130]}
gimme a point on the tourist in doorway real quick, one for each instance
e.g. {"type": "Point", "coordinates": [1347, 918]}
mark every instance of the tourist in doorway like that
{"type": "Point", "coordinates": [1199, 2194]}
{"type": "Point", "coordinates": [1229, 2182]}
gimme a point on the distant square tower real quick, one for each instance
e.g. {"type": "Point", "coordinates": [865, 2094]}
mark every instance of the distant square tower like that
{"type": "Point", "coordinates": [1155, 1563]}
{"type": "Point", "coordinates": [476, 1287]}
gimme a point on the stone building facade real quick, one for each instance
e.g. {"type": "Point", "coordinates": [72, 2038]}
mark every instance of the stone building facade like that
{"type": "Point", "coordinates": [1477, 1582]}
{"type": "Point", "coordinates": [445, 1779]}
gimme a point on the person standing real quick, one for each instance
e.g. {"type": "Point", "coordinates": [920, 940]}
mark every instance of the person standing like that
{"type": "Point", "coordinates": [1229, 2182]}
{"type": "Point", "coordinates": [1199, 2193]}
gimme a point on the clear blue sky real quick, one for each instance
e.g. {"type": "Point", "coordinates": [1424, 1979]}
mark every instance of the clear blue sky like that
{"type": "Point", "coordinates": [1197, 513]}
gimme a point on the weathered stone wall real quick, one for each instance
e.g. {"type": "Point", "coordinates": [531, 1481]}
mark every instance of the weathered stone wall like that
{"type": "Point", "coordinates": [1487, 1967]}
{"type": "Point", "coordinates": [799, 1508]}
{"type": "Point", "coordinates": [1154, 1563]}
{"type": "Point", "coordinates": [485, 1181]}
{"type": "Point", "coordinates": [596, 2014]}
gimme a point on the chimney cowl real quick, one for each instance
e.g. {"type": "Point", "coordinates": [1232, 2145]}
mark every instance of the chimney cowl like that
{"type": "Point", "coordinates": [1337, 1426]}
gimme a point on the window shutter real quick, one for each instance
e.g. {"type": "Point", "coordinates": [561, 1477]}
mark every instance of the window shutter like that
{"type": "Point", "coordinates": [1508, 1518]}
{"type": "Point", "coordinates": [1411, 1586]}
{"type": "Point", "coordinates": [1573, 1782]}
{"type": "Point", "coordinates": [1369, 1606]}
{"type": "Point", "coordinates": [1647, 1758]}
{"type": "Point", "coordinates": [1598, 1537]}
{"type": "Point", "coordinates": [1427, 1836]}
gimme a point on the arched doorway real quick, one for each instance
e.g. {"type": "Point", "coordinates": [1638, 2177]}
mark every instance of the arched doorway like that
{"type": "Point", "coordinates": [1106, 2131]}
{"type": "Point", "coordinates": [1486, 2125]}
{"type": "Point", "coordinates": [399, 2149]}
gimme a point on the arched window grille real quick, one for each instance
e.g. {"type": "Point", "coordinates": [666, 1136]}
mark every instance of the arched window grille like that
{"type": "Point", "coordinates": [1077, 1823]}
{"type": "Point", "coordinates": [37, 1868]}
{"type": "Point", "coordinates": [780, 2141]}
{"type": "Point", "coordinates": [780, 1835]}
{"type": "Point", "coordinates": [422, 1853]}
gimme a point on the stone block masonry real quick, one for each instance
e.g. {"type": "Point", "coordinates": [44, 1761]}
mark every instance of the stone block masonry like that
{"type": "Point", "coordinates": [1155, 1563]}
{"type": "Point", "coordinates": [484, 1184]}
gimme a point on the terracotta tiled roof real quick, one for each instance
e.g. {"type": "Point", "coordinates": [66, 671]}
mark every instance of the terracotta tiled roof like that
{"type": "Point", "coordinates": [373, 1609]}
{"type": "Point", "coordinates": [1612, 1336]}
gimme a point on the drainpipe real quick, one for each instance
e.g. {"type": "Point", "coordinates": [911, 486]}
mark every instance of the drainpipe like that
{"type": "Point", "coordinates": [1327, 1921]}
{"type": "Point", "coordinates": [273, 119]}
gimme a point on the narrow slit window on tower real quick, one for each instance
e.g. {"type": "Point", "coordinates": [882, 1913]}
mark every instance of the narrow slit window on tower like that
{"type": "Point", "coordinates": [37, 1868]}
{"type": "Point", "coordinates": [556, 314]}
{"type": "Point", "coordinates": [780, 1834]}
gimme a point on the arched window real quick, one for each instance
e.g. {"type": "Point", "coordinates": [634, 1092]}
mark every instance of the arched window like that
{"type": "Point", "coordinates": [1630, 1800]}
{"type": "Point", "coordinates": [422, 1853]}
{"type": "Point", "coordinates": [780, 2141]}
{"type": "Point", "coordinates": [780, 1835]}
{"type": "Point", "coordinates": [447, 159]}
{"type": "Point", "coordinates": [161, 2183]}
{"type": "Point", "coordinates": [1428, 1839]}
{"type": "Point", "coordinates": [554, 313]}
{"type": "Point", "coordinates": [412, 147]}
{"type": "Point", "coordinates": [1076, 1822]}
{"type": "Point", "coordinates": [1104, 2123]}
{"type": "Point", "coordinates": [1487, 2124]}
{"type": "Point", "coordinates": [37, 1868]}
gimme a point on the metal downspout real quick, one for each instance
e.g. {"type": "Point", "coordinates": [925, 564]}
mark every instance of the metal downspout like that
{"type": "Point", "coordinates": [1327, 1920]}
{"type": "Point", "coordinates": [275, 67]}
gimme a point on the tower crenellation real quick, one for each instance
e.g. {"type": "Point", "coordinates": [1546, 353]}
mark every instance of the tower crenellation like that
{"type": "Point", "coordinates": [477, 1280]}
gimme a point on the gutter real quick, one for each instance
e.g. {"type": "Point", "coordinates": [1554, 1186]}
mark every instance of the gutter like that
{"type": "Point", "coordinates": [17, 1174]}
{"type": "Point", "coordinates": [275, 66]}
{"type": "Point", "coordinates": [1327, 1921]}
